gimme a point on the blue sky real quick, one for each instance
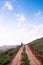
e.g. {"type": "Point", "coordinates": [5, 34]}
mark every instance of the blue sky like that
{"type": "Point", "coordinates": [20, 21]}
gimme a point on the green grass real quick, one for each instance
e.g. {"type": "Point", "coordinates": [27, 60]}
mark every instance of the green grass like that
{"type": "Point", "coordinates": [24, 60]}
{"type": "Point", "coordinates": [6, 56]}
{"type": "Point", "coordinates": [37, 48]}
{"type": "Point", "coordinates": [37, 45]}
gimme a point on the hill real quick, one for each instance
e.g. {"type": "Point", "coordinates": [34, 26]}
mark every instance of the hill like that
{"type": "Point", "coordinates": [7, 56]}
{"type": "Point", "coordinates": [37, 44]}
{"type": "Point", "coordinates": [37, 48]}
{"type": "Point", "coordinates": [5, 47]}
{"type": "Point", "coordinates": [39, 41]}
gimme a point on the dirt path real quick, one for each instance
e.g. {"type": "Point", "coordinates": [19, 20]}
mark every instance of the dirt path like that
{"type": "Point", "coordinates": [32, 58]}
{"type": "Point", "coordinates": [16, 60]}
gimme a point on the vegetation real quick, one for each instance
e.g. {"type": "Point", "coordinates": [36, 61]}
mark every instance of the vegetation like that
{"type": "Point", "coordinates": [24, 60]}
{"type": "Point", "coordinates": [37, 48]}
{"type": "Point", "coordinates": [6, 56]}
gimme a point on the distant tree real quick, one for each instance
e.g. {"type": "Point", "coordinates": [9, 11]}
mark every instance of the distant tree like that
{"type": "Point", "coordinates": [21, 43]}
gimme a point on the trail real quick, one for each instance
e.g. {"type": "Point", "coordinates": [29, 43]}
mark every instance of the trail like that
{"type": "Point", "coordinates": [17, 59]}
{"type": "Point", "coordinates": [31, 57]}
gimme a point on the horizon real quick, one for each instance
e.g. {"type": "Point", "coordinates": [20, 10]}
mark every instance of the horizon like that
{"type": "Point", "coordinates": [20, 21]}
{"type": "Point", "coordinates": [20, 43]}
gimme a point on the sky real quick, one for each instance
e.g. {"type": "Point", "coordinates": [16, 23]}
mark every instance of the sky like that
{"type": "Point", "coordinates": [20, 21]}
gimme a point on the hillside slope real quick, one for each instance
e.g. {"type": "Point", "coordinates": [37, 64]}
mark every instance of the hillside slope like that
{"type": "Point", "coordinates": [37, 48]}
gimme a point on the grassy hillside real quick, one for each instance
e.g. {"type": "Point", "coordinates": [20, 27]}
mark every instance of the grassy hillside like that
{"type": "Point", "coordinates": [37, 48]}
{"type": "Point", "coordinates": [5, 57]}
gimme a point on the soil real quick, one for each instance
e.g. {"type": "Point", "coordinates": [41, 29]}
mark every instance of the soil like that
{"type": "Point", "coordinates": [17, 59]}
{"type": "Point", "coordinates": [31, 56]}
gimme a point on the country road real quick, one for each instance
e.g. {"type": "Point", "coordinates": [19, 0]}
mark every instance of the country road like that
{"type": "Point", "coordinates": [17, 59]}
{"type": "Point", "coordinates": [31, 57]}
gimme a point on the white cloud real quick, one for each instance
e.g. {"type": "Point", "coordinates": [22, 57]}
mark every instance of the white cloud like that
{"type": "Point", "coordinates": [36, 28]}
{"type": "Point", "coordinates": [35, 33]}
{"type": "Point", "coordinates": [20, 32]}
{"type": "Point", "coordinates": [18, 35]}
{"type": "Point", "coordinates": [20, 17]}
{"type": "Point", "coordinates": [38, 14]}
{"type": "Point", "coordinates": [31, 32]}
{"type": "Point", "coordinates": [8, 5]}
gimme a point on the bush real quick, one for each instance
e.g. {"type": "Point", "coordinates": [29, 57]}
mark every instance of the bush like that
{"type": "Point", "coordinates": [24, 60]}
{"type": "Point", "coordinates": [4, 60]}
{"type": "Point", "coordinates": [6, 55]}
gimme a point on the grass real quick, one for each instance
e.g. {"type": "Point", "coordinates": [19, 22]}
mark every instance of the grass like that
{"type": "Point", "coordinates": [5, 57]}
{"type": "Point", "coordinates": [24, 60]}
{"type": "Point", "coordinates": [37, 48]}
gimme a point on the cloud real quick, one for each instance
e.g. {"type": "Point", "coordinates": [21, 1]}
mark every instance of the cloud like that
{"type": "Point", "coordinates": [36, 28]}
{"type": "Point", "coordinates": [38, 14]}
{"type": "Point", "coordinates": [8, 5]}
{"type": "Point", "coordinates": [20, 17]}
{"type": "Point", "coordinates": [25, 34]}
{"type": "Point", "coordinates": [30, 32]}
{"type": "Point", "coordinates": [20, 32]}
{"type": "Point", "coordinates": [35, 32]}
